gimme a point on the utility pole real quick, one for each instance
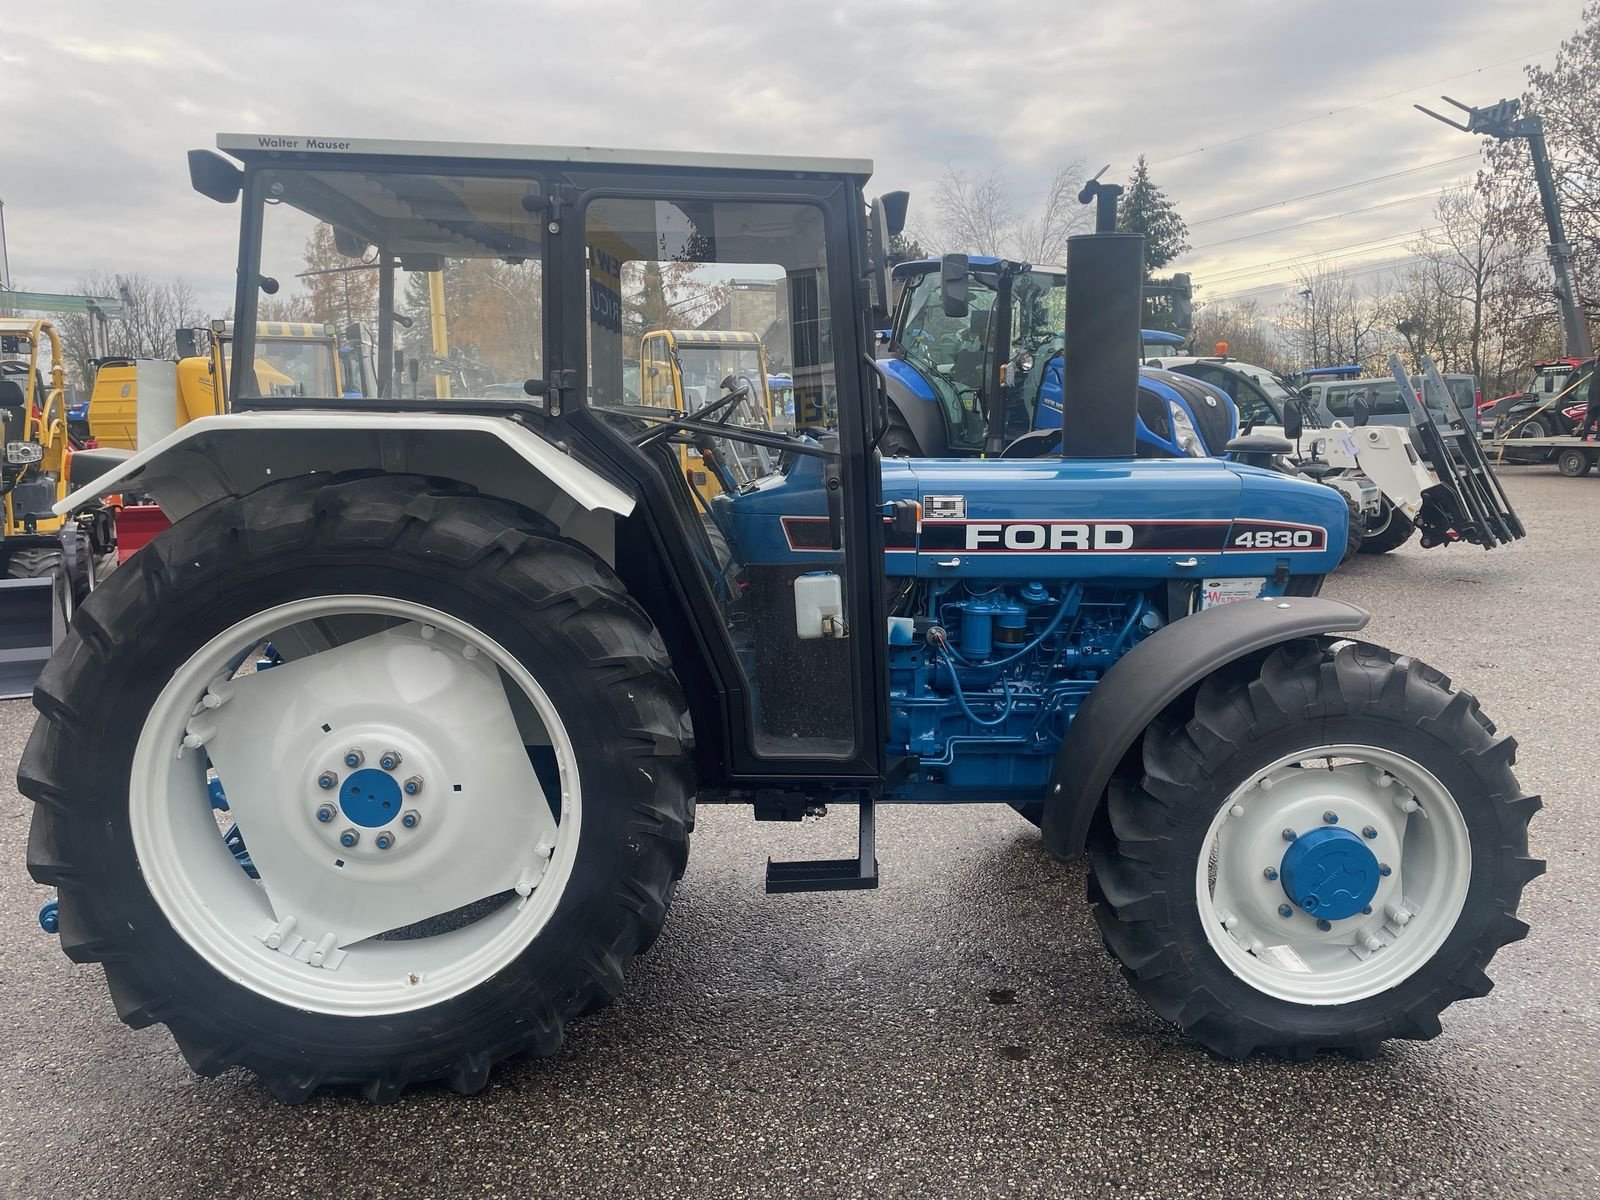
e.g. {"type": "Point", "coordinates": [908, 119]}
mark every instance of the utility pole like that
{"type": "Point", "coordinates": [1501, 122]}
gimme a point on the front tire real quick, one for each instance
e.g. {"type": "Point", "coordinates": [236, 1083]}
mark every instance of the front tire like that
{"type": "Point", "coordinates": [1574, 464]}
{"type": "Point", "coordinates": [1355, 531]}
{"type": "Point", "coordinates": [413, 585]}
{"type": "Point", "coordinates": [1391, 530]}
{"type": "Point", "coordinates": [1193, 886]}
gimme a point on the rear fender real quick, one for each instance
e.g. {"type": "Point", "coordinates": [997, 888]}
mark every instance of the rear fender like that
{"type": "Point", "coordinates": [232, 455]}
{"type": "Point", "coordinates": [912, 398]}
{"type": "Point", "coordinates": [1151, 676]}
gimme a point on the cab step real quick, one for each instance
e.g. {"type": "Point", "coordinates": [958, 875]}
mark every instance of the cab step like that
{"type": "Point", "coordinates": [831, 874]}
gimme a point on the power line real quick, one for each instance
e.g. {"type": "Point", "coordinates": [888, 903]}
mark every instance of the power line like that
{"type": "Point", "coordinates": [1345, 187]}
{"type": "Point", "coordinates": [1332, 253]}
{"type": "Point", "coordinates": [1333, 112]}
{"type": "Point", "coordinates": [1245, 237]}
{"type": "Point", "coordinates": [1388, 264]}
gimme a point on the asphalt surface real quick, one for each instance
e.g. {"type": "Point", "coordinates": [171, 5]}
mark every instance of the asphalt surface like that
{"type": "Point", "coordinates": [957, 1032]}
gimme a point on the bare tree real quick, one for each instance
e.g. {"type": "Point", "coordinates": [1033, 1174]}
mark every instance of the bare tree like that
{"type": "Point", "coordinates": [978, 214]}
{"type": "Point", "coordinates": [1245, 329]}
{"type": "Point", "coordinates": [152, 312]}
{"type": "Point", "coordinates": [1333, 320]}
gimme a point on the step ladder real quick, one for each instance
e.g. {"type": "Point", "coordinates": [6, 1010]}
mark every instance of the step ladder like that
{"type": "Point", "coordinates": [832, 874]}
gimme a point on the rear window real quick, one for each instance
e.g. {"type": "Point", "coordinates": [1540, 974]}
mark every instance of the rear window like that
{"type": "Point", "coordinates": [1383, 399]}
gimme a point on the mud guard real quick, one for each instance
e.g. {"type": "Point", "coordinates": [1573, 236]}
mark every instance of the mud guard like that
{"type": "Point", "coordinates": [918, 408]}
{"type": "Point", "coordinates": [1151, 676]}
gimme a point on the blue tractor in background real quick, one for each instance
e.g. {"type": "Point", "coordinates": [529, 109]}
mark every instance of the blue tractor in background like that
{"type": "Point", "coordinates": [940, 365]}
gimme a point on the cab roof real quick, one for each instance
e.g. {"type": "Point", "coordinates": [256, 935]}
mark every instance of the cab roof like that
{"type": "Point", "coordinates": [248, 147]}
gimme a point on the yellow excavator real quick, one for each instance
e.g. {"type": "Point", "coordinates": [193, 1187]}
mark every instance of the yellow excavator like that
{"type": "Point", "coordinates": [687, 369]}
{"type": "Point", "coordinates": [292, 358]}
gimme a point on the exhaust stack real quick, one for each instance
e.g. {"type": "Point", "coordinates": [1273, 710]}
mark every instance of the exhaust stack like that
{"type": "Point", "coordinates": [1100, 368]}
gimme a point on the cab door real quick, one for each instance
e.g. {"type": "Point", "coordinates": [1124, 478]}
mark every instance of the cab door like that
{"type": "Point", "coordinates": [773, 700]}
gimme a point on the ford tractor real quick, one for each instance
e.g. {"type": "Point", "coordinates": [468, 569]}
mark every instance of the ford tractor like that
{"type": "Point", "coordinates": [380, 764]}
{"type": "Point", "coordinates": [974, 351]}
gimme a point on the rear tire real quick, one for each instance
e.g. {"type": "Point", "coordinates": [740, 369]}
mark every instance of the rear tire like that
{"type": "Point", "coordinates": [898, 441]}
{"type": "Point", "coordinates": [43, 562]}
{"type": "Point", "coordinates": [1160, 848]}
{"type": "Point", "coordinates": [1355, 531]}
{"type": "Point", "coordinates": [549, 606]}
{"type": "Point", "coordinates": [1392, 530]}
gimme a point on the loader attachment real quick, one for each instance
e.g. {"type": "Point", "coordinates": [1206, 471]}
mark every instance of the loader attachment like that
{"type": "Point", "coordinates": [1468, 503]}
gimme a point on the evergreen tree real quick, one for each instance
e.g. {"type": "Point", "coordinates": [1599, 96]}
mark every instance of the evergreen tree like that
{"type": "Point", "coordinates": [1144, 208]}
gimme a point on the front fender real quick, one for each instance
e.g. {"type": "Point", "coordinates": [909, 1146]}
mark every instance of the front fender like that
{"type": "Point", "coordinates": [237, 453]}
{"type": "Point", "coordinates": [1154, 674]}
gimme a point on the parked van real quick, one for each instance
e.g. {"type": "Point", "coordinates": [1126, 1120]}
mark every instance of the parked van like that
{"type": "Point", "coordinates": [1334, 400]}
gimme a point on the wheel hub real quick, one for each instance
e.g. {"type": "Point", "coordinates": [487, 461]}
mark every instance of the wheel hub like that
{"type": "Point", "coordinates": [370, 797]}
{"type": "Point", "coordinates": [1329, 873]}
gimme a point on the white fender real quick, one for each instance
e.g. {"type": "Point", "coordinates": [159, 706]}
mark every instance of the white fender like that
{"type": "Point", "coordinates": [214, 457]}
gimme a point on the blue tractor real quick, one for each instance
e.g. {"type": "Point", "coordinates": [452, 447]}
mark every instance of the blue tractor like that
{"type": "Point", "coordinates": [508, 658]}
{"type": "Point", "coordinates": [941, 363]}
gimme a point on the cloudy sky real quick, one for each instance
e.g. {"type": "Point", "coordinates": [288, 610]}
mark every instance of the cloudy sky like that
{"type": "Point", "coordinates": [102, 101]}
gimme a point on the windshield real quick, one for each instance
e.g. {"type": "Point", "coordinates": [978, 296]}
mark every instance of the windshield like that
{"type": "Point", "coordinates": [1274, 385]}
{"type": "Point", "coordinates": [289, 366]}
{"type": "Point", "coordinates": [460, 255]}
{"type": "Point", "coordinates": [705, 367]}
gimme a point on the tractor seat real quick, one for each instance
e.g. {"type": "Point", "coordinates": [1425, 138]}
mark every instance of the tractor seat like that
{"type": "Point", "coordinates": [1257, 449]}
{"type": "Point", "coordinates": [86, 466]}
{"type": "Point", "coordinates": [1316, 468]}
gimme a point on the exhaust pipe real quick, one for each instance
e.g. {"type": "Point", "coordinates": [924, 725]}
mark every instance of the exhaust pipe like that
{"type": "Point", "coordinates": [1100, 367]}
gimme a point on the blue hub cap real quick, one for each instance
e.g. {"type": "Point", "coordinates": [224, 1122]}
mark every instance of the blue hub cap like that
{"type": "Point", "coordinates": [372, 798]}
{"type": "Point", "coordinates": [1329, 873]}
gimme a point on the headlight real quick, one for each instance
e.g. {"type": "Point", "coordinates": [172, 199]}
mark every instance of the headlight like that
{"type": "Point", "coordinates": [20, 454]}
{"type": "Point", "coordinates": [1184, 432]}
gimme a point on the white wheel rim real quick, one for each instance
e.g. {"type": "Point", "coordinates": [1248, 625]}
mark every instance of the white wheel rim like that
{"type": "Point", "coordinates": [1420, 836]}
{"type": "Point", "coordinates": [266, 735]}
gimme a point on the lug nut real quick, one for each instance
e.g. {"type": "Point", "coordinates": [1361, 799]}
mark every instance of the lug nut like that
{"type": "Point", "coordinates": [1331, 817]}
{"type": "Point", "coordinates": [1384, 869]}
{"type": "Point", "coordinates": [389, 760]}
{"type": "Point", "coordinates": [1369, 833]}
{"type": "Point", "coordinates": [411, 818]}
{"type": "Point", "coordinates": [413, 785]}
{"type": "Point", "coordinates": [1309, 903]}
{"type": "Point", "coordinates": [1289, 835]}
{"type": "Point", "coordinates": [353, 757]}
{"type": "Point", "coordinates": [1285, 911]}
{"type": "Point", "coordinates": [326, 813]}
{"type": "Point", "coordinates": [1270, 874]}
{"type": "Point", "coordinates": [1324, 926]}
{"type": "Point", "coordinates": [1366, 910]}
{"type": "Point", "coordinates": [327, 781]}
{"type": "Point", "coordinates": [384, 840]}
{"type": "Point", "coordinates": [349, 838]}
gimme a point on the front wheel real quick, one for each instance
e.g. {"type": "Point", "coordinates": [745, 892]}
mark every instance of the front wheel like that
{"type": "Point", "coordinates": [411, 790]}
{"type": "Point", "coordinates": [1389, 530]}
{"type": "Point", "coordinates": [1326, 848]}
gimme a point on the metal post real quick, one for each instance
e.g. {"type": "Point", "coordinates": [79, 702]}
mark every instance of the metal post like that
{"type": "Point", "coordinates": [1577, 330]}
{"type": "Point", "coordinates": [385, 363]}
{"type": "Point", "coordinates": [441, 331]}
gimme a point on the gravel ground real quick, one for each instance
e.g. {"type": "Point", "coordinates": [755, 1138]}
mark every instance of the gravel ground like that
{"type": "Point", "coordinates": [957, 1032]}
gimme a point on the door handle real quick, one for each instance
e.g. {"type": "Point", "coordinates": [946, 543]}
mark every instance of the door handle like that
{"type": "Point", "coordinates": [1186, 562]}
{"type": "Point", "coordinates": [948, 562]}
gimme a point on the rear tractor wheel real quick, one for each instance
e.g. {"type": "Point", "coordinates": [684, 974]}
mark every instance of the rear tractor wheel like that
{"type": "Point", "coordinates": [411, 792]}
{"type": "Point", "coordinates": [1325, 850]}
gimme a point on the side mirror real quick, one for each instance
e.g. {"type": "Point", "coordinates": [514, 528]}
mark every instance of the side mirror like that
{"type": "Point", "coordinates": [1360, 412]}
{"type": "Point", "coordinates": [894, 210]}
{"type": "Point", "coordinates": [184, 339]}
{"type": "Point", "coordinates": [953, 284]}
{"type": "Point", "coordinates": [878, 236]}
{"type": "Point", "coordinates": [214, 177]}
{"type": "Point", "coordinates": [268, 284]}
{"type": "Point", "coordinates": [412, 371]}
{"type": "Point", "coordinates": [1293, 421]}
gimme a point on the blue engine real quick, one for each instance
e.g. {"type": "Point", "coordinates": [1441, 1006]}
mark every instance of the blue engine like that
{"type": "Point", "coordinates": [1027, 580]}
